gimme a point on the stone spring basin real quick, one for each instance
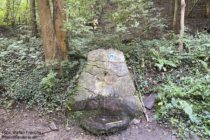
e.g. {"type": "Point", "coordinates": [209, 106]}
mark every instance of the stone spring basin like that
{"type": "Point", "coordinates": [106, 88]}
{"type": "Point", "coordinates": [102, 124]}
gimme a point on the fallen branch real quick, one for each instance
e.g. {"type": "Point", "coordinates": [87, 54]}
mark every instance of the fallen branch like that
{"type": "Point", "coordinates": [192, 8]}
{"type": "Point", "coordinates": [140, 96]}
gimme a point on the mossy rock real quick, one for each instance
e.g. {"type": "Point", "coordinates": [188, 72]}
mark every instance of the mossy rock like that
{"type": "Point", "coordinates": [102, 124]}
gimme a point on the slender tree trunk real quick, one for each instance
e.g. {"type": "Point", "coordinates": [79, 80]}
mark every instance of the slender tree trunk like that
{"type": "Point", "coordinates": [207, 8]}
{"type": "Point", "coordinates": [13, 12]}
{"type": "Point", "coordinates": [182, 20]}
{"type": "Point", "coordinates": [33, 18]}
{"type": "Point", "coordinates": [54, 38]}
{"type": "Point", "coordinates": [17, 7]}
{"type": "Point", "coordinates": [59, 18]}
{"type": "Point", "coordinates": [6, 16]}
{"type": "Point", "coordinates": [175, 14]}
{"type": "Point", "coordinates": [26, 13]}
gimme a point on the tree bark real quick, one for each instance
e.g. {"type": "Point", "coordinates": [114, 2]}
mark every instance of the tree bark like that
{"type": "Point", "coordinates": [47, 31]}
{"type": "Point", "coordinates": [13, 13]}
{"type": "Point", "coordinates": [59, 17]}
{"type": "Point", "coordinates": [182, 23]}
{"type": "Point", "coordinates": [6, 16]}
{"type": "Point", "coordinates": [208, 9]}
{"type": "Point", "coordinates": [52, 31]}
{"type": "Point", "coordinates": [175, 14]}
{"type": "Point", "coordinates": [33, 18]}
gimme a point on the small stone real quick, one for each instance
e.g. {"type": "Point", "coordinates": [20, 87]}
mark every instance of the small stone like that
{"type": "Point", "coordinates": [25, 115]}
{"type": "Point", "coordinates": [53, 126]}
{"type": "Point", "coordinates": [135, 121]}
{"type": "Point", "coordinates": [193, 136]}
{"type": "Point", "coordinates": [68, 128]}
{"type": "Point", "coordinates": [2, 111]}
{"type": "Point", "coordinates": [149, 101]}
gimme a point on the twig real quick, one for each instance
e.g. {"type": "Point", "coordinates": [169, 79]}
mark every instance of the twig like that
{"type": "Point", "coordinates": [192, 8]}
{"type": "Point", "coordinates": [140, 96]}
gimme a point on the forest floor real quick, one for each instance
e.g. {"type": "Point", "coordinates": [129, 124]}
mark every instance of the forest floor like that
{"type": "Point", "coordinates": [31, 123]}
{"type": "Point", "coordinates": [20, 84]}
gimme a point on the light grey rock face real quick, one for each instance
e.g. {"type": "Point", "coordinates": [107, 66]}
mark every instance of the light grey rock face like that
{"type": "Point", "coordinates": [106, 85]}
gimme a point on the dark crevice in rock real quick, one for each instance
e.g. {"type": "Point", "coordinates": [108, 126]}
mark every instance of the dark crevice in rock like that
{"type": "Point", "coordinates": [106, 70]}
{"type": "Point", "coordinates": [89, 90]}
{"type": "Point", "coordinates": [97, 66]}
{"type": "Point", "coordinates": [105, 61]}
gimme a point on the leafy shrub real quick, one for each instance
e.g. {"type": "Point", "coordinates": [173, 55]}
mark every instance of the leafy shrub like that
{"type": "Point", "coordinates": [185, 103]}
{"type": "Point", "coordinates": [137, 15]}
{"type": "Point", "coordinates": [163, 53]}
{"type": "Point", "coordinates": [181, 80]}
{"type": "Point", "coordinates": [119, 17]}
{"type": "Point", "coordinates": [25, 79]}
{"type": "Point", "coordinates": [49, 82]}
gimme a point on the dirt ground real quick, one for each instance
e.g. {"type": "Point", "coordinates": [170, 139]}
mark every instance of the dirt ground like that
{"type": "Point", "coordinates": [23, 124]}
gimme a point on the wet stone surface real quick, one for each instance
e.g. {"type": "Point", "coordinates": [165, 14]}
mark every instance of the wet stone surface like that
{"type": "Point", "coordinates": [101, 124]}
{"type": "Point", "coordinates": [105, 85]}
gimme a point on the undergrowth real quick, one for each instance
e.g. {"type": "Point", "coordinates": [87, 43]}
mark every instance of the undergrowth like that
{"type": "Point", "coordinates": [25, 79]}
{"type": "Point", "coordinates": [185, 103]}
{"type": "Point", "coordinates": [181, 79]}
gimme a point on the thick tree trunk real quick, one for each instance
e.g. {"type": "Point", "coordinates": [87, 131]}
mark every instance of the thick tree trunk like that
{"type": "Point", "coordinates": [52, 31]}
{"type": "Point", "coordinates": [175, 14]}
{"type": "Point", "coordinates": [47, 32]}
{"type": "Point", "coordinates": [59, 17]}
{"type": "Point", "coordinates": [182, 20]}
{"type": "Point", "coordinates": [33, 18]}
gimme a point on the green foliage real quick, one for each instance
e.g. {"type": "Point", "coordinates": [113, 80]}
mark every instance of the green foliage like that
{"type": "Point", "coordinates": [137, 15]}
{"type": "Point", "coordinates": [79, 13]}
{"type": "Point", "coordinates": [184, 96]}
{"type": "Point", "coordinates": [163, 53]}
{"type": "Point", "coordinates": [183, 100]}
{"type": "Point", "coordinates": [2, 11]}
{"type": "Point", "coordinates": [180, 78]}
{"type": "Point", "coordinates": [125, 17]}
{"type": "Point", "coordinates": [18, 12]}
{"type": "Point", "coordinates": [106, 41]}
{"type": "Point", "coordinates": [162, 62]}
{"type": "Point", "coordinates": [186, 102]}
{"type": "Point", "coordinates": [25, 79]}
{"type": "Point", "coordinates": [49, 82]}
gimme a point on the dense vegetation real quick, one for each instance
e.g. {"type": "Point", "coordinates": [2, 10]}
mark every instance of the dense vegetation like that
{"type": "Point", "coordinates": [181, 78]}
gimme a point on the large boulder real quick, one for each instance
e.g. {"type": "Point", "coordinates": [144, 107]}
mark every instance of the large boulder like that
{"type": "Point", "coordinates": [105, 85]}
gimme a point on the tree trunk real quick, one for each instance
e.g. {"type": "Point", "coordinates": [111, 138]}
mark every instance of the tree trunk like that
{"type": "Point", "coordinates": [183, 5]}
{"type": "Point", "coordinates": [47, 32]}
{"type": "Point", "coordinates": [208, 9]}
{"type": "Point", "coordinates": [33, 18]}
{"type": "Point", "coordinates": [59, 17]}
{"type": "Point", "coordinates": [54, 38]}
{"type": "Point", "coordinates": [6, 16]}
{"type": "Point", "coordinates": [13, 13]}
{"type": "Point", "coordinates": [175, 14]}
